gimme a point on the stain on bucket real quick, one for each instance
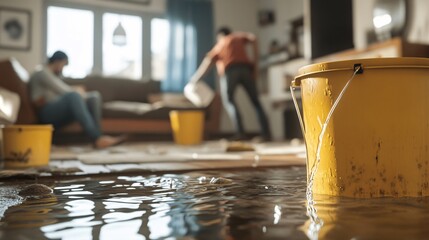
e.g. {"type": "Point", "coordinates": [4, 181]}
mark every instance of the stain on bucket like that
{"type": "Point", "coordinates": [376, 142]}
{"type": "Point", "coordinates": [19, 157]}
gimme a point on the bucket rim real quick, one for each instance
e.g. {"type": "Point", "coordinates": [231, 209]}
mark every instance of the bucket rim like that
{"type": "Point", "coordinates": [28, 127]}
{"type": "Point", "coordinates": [187, 111]}
{"type": "Point", "coordinates": [368, 62]}
{"type": "Point", "coordinates": [365, 63]}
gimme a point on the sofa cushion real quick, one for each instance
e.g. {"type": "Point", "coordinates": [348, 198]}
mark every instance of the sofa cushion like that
{"type": "Point", "coordinates": [164, 112]}
{"type": "Point", "coordinates": [121, 89]}
{"type": "Point", "coordinates": [124, 109]}
{"type": "Point", "coordinates": [134, 110]}
{"type": "Point", "coordinates": [14, 78]}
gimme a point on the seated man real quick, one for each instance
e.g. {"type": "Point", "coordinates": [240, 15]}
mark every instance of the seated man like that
{"type": "Point", "coordinates": [59, 104]}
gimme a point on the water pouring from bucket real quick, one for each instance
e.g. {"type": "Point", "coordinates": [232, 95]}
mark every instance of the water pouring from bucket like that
{"type": "Point", "coordinates": [323, 130]}
{"type": "Point", "coordinates": [316, 223]}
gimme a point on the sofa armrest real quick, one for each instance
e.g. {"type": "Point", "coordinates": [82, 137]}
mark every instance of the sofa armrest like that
{"type": "Point", "coordinates": [14, 78]}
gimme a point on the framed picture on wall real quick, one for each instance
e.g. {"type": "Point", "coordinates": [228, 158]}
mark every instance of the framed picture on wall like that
{"type": "Point", "coordinates": [15, 29]}
{"type": "Point", "coordinates": [266, 17]}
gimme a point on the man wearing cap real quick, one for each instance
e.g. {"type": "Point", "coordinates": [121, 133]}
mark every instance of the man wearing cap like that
{"type": "Point", "coordinates": [59, 104]}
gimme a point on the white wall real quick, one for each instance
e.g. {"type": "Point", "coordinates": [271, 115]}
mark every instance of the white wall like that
{"type": "Point", "coordinates": [155, 6]}
{"type": "Point", "coordinates": [362, 21]}
{"type": "Point", "coordinates": [28, 58]}
{"type": "Point", "coordinates": [419, 30]}
{"type": "Point", "coordinates": [284, 12]}
{"type": "Point", "coordinates": [240, 15]}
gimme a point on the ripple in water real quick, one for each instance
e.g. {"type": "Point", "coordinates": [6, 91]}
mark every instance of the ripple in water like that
{"type": "Point", "coordinates": [258, 204]}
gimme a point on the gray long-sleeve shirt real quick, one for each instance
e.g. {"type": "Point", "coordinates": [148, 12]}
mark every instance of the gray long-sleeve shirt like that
{"type": "Point", "coordinates": [45, 85]}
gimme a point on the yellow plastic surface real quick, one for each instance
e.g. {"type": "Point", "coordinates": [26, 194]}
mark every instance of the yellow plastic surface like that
{"type": "Point", "coordinates": [26, 145]}
{"type": "Point", "coordinates": [377, 142]}
{"type": "Point", "coordinates": [187, 126]}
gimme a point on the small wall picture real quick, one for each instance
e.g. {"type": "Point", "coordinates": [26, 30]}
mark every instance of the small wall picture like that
{"type": "Point", "coordinates": [15, 29]}
{"type": "Point", "coordinates": [266, 17]}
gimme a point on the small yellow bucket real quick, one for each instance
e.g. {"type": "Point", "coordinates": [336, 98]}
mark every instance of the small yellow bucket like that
{"type": "Point", "coordinates": [376, 143]}
{"type": "Point", "coordinates": [26, 145]}
{"type": "Point", "coordinates": [187, 126]}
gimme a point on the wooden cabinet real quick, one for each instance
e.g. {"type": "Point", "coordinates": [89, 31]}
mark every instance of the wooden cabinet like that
{"type": "Point", "coordinates": [395, 47]}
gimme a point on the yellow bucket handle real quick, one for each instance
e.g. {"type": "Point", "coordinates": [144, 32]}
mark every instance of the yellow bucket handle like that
{"type": "Point", "coordinates": [296, 83]}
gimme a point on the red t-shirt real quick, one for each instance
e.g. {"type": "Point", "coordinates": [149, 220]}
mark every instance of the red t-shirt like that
{"type": "Point", "coordinates": [230, 50]}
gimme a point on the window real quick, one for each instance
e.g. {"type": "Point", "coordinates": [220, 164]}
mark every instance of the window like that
{"type": "Point", "coordinates": [122, 45]}
{"type": "Point", "coordinates": [77, 42]}
{"type": "Point", "coordinates": [159, 47]}
{"type": "Point", "coordinates": [102, 41]}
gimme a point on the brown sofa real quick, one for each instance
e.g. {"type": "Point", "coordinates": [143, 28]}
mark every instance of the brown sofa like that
{"type": "Point", "coordinates": [129, 106]}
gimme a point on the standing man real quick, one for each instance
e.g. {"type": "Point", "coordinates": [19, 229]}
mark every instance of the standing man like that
{"type": "Point", "coordinates": [235, 68]}
{"type": "Point", "coordinates": [59, 104]}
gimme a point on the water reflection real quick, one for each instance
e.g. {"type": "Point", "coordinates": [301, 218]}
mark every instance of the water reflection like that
{"type": "Point", "coordinates": [116, 230]}
{"type": "Point", "coordinates": [206, 205]}
{"type": "Point", "coordinates": [263, 204]}
{"type": "Point", "coordinates": [381, 218]}
{"type": "Point", "coordinates": [32, 216]}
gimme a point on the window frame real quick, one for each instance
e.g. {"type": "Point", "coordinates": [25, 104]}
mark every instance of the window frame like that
{"type": "Point", "coordinates": [98, 11]}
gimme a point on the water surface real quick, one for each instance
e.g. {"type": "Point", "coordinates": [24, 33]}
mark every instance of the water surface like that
{"type": "Point", "coordinates": [248, 204]}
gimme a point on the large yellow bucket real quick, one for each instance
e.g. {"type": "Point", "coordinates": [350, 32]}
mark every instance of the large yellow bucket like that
{"type": "Point", "coordinates": [187, 126]}
{"type": "Point", "coordinates": [377, 141]}
{"type": "Point", "coordinates": [26, 145]}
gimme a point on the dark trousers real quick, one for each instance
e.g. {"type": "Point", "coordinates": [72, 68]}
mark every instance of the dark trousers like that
{"type": "Point", "coordinates": [72, 107]}
{"type": "Point", "coordinates": [241, 74]}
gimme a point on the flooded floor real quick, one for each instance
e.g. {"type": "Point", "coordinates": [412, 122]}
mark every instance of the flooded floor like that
{"type": "Point", "coordinates": [247, 204]}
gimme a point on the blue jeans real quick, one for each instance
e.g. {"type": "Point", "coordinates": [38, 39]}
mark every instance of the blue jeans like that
{"type": "Point", "coordinates": [241, 74]}
{"type": "Point", "coordinates": [72, 107]}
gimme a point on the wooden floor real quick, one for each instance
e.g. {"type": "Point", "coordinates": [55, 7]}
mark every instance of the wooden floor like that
{"type": "Point", "coordinates": [162, 157]}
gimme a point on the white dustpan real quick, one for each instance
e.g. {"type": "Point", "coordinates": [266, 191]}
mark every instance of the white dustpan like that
{"type": "Point", "coordinates": [199, 94]}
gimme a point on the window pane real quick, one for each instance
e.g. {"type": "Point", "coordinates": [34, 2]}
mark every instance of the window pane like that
{"type": "Point", "coordinates": [122, 46]}
{"type": "Point", "coordinates": [77, 42]}
{"type": "Point", "coordinates": [160, 31]}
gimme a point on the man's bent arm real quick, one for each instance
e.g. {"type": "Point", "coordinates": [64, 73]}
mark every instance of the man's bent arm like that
{"type": "Point", "coordinates": [54, 83]}
{"type": "Point", "coordinates": [202, 69]}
